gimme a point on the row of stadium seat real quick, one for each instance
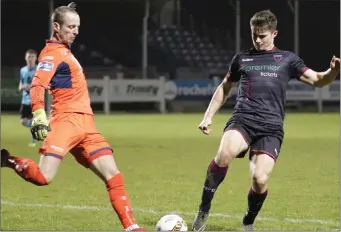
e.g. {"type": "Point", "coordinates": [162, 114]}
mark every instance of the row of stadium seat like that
{"type": "Point", "coordinates": [189, 47]}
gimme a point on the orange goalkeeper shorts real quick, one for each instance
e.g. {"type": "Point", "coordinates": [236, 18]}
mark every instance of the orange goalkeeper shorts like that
{"type": "Point", "coordinates": [75, 133]}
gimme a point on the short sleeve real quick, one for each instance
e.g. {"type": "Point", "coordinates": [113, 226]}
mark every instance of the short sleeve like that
{"type": "Point", "coordinates": [297, 66]}
{"type": "Point", "coordinates": [233, 75]}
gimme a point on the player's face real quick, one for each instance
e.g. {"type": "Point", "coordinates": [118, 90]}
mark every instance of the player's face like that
{"type": "Point", "coordinates": [31, 59]}
{"type": "Point", "coordinates": [263, 39]}
{"type": "Point", "coordinates": [68, 31]}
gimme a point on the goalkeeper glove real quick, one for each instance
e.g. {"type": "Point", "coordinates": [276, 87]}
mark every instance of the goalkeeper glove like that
{"type": "Point", "coordinates": [40, 125]}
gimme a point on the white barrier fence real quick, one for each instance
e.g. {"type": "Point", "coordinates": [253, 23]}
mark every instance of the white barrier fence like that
{"type": "Point", "coordinates": [108, 91]}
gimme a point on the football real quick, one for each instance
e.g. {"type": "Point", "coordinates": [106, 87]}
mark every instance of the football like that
{"type": "Point", "coordinates": [171, 222]}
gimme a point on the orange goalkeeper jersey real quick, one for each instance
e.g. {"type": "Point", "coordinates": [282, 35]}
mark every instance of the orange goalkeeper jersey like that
{"type": "Point", "coordinates": [60, 72]}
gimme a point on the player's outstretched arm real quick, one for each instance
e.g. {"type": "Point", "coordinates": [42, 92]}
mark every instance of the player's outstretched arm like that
{"type": "Point", "coordinates": [320, 79]}
{"type": "Point", "coordinates": [218, 99]}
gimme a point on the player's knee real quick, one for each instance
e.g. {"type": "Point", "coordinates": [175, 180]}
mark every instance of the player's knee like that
{"type": "Point", "coordinates": [105, 167]}
{"type": "Point", "coordinates": [223, 160]}
{"type": "Point", "coordinates": [109, 171]}
{"type": "Point", "coordinates": [225, 156]}
{"type": "Point", "coordinates": [48, 167]}
{"type": "Point", "coordinates": [260, 179]}
{"type": "Point", "coordinates": [232, 144]}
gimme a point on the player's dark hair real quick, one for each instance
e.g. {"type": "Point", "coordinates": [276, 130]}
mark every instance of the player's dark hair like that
{"type": "Point", "coordinates": [31, 51]}
{"type": "Point", "coordinates": [264, 19]}
{"type": "Point", "coordinates": [58, 14]}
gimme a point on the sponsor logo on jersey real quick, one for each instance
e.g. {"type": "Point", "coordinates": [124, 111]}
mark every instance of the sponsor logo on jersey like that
{"type": "Point", "coordinates": [248, 59]}
{"type": "Point", "coordinates": [249, 68]}
{"type": "Point", "coordinates": [264, 70]}
{"type": "Point", "coordinates": [45, 66]}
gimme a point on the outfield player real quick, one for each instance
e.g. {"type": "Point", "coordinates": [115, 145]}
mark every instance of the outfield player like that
{"type": "Point", "coordinates": [263, 73]}
{"type": "Point", "coordinates": [72, 124]}
{"type": "Point", "coordinates": [26, 76]}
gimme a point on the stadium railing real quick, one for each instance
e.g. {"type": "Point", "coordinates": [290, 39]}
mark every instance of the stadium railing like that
{"type": "Point", "coordinates": [161, 91]}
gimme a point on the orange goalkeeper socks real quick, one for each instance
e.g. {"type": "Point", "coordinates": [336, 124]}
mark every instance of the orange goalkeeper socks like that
{"type": "Point", "coordinates": [29, 171]}
{"type": "Point", "coordinates": [120, 201]}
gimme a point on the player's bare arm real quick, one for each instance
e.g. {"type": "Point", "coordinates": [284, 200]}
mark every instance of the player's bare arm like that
{"type": "Point", "coordinates": [220, 96]}
{"type": "Point", "coordinates": [320, 79]}
{"type": "Point", "coordinates": [24, 87]}
{"type": "Point", "coordinates": [21, 87]}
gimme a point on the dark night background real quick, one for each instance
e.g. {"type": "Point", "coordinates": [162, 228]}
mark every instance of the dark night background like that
{"type": "Point", "coordinates": [114, 28]}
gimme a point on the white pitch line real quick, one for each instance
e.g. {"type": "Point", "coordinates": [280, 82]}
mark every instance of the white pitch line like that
{"type": "Point", "coordinates": [151, 211]}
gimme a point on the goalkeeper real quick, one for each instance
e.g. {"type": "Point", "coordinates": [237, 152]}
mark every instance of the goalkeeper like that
{"type": "Point", "coordinates": [72, 120]}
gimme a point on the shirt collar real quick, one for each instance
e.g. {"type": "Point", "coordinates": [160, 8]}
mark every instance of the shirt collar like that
{"type": "Point", "coordinates": [58, 44]}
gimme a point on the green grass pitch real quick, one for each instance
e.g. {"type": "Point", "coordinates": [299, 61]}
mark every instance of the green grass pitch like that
{"type": "Point", "coordinates": [164, 160]}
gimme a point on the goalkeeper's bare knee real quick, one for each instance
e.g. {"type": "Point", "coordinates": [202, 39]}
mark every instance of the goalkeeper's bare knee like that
{"type": "Point", "coordinates": [104, 167]}
{"type": "Point", "coordinates": [49, 166]}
